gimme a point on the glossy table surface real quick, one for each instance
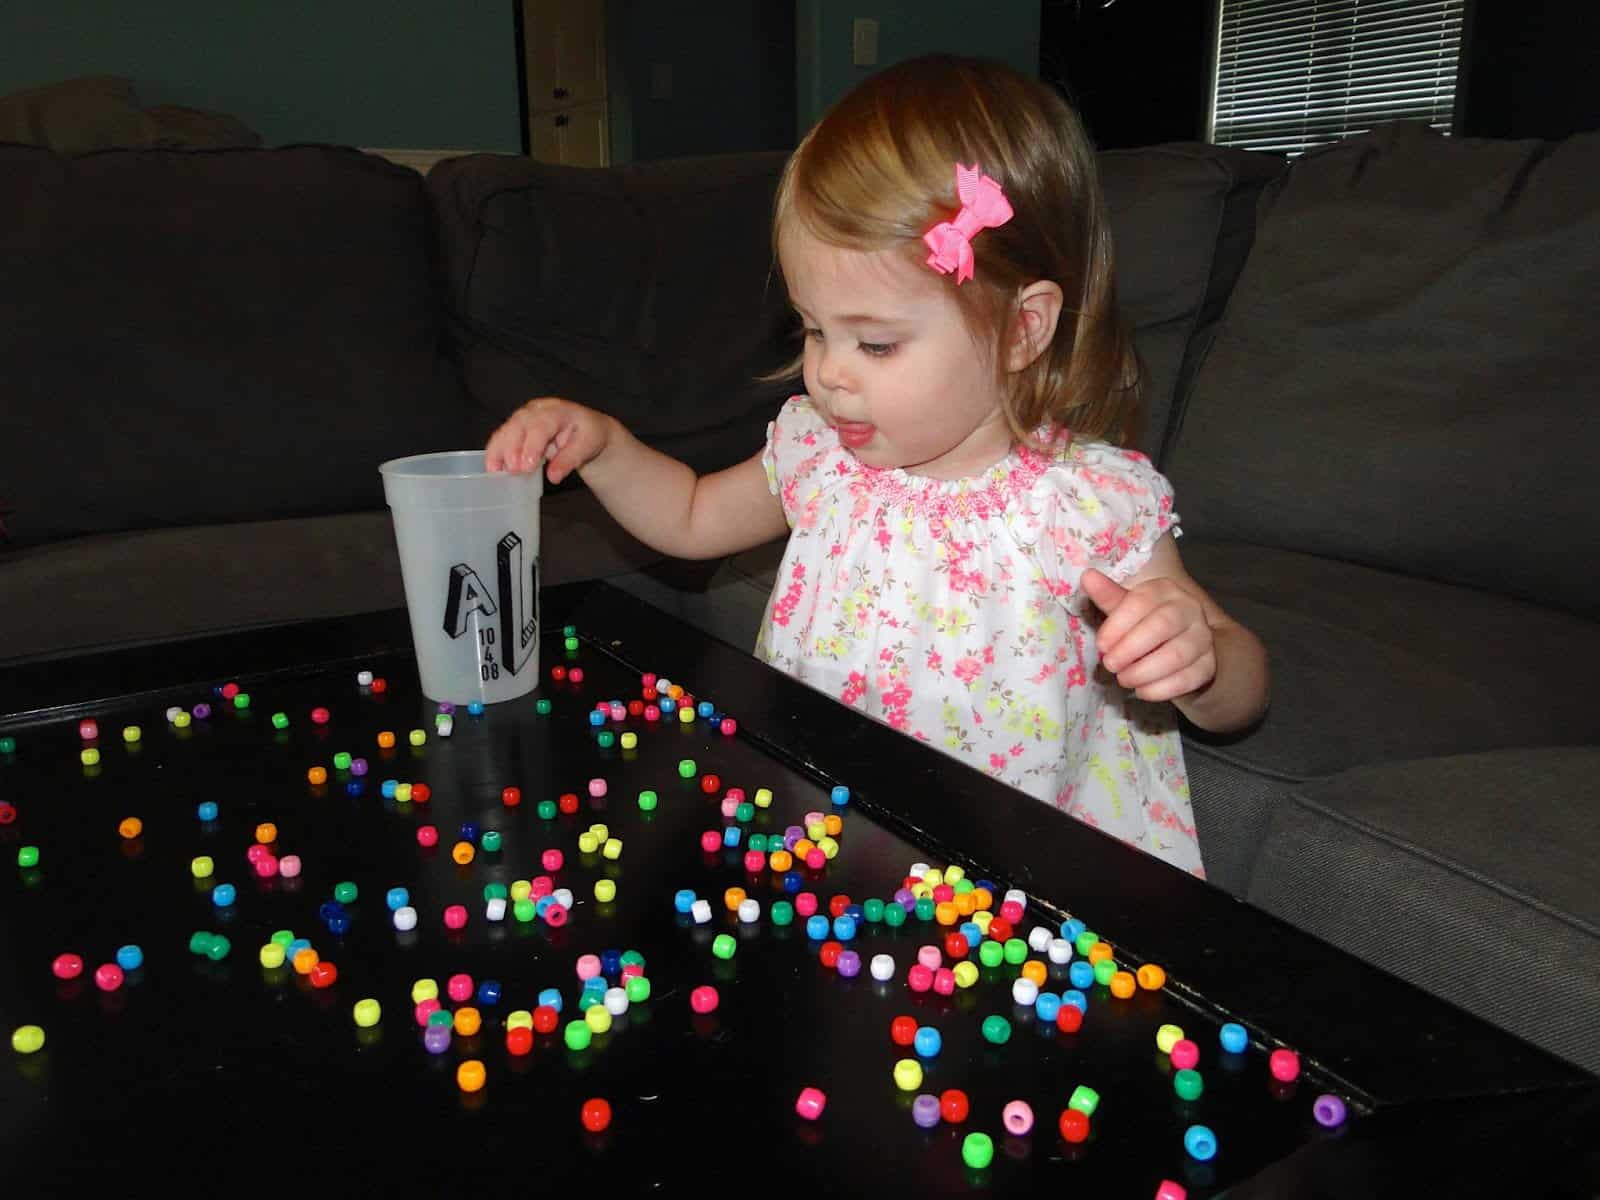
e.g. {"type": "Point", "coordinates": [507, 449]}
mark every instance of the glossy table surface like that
{"type": "Point", "coordinates": [209, 1070]}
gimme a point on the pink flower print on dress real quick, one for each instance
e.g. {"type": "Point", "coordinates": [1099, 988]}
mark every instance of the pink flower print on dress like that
{"type": "Point", "coordinates": [998, 762]}
{"type": "Point", "coordinates": [784, 608]}
{"type": "Point", "coordinates": [855, 687]}
{"type": "Point", "coordinates": [935, 660]}
{"type": "Point", "coordinates": [968, 669]}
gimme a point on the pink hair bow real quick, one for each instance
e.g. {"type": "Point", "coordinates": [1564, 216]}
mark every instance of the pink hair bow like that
{"type": "Point", "coordinates": [983, 206]}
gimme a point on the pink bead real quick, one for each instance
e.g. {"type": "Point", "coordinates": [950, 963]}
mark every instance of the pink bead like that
{"type": "Point", "coordinates": [806, 904]}
{"type": "Point", "coordinates": [551, 860]}
{"type": "Point", "coordinates": [730, 806]}
{"type": "Point", "coordinates": [1171, 1191]}
{"type": "Point", "coordinates": [729, 727]}
{"type": "Point", "coordinates": [555, 916]}
{"type": "Point", "coordinates": [1011, 910]}
{"type": "Point", "coordinates": [427, 835]}
{"type": "Point", "coordinates": [289, 866]}
{"type": "Point", "coordinates": [256, 852]}
{"type": "Point", "coordinates": [459, 988]}
{"type": "Point", "coordinates": [811, 818]}
{"type": "Point", "coordinates": [930, 957]}
{"type": "Point", "coordinates": [1185, 1054]}
{"type": "Point", "coordinates": [919, 978]}
{"type": "Point", "coordinates": [944, 982]}
{"type": "Point", "coordinates": [540, 885]}
{"type": "Point", "coordinates": [648, 679]}
{"type": "Point", "coordinates": [575, 674]}
{"type": "Point", "coordinates": [88, 730]}
{"type": "Point", "coordinates": [266, 866]}
{"type": "Point", "coordinates": [619, 712]}
{"type": "Point", "coordinates": [1284, 1065]}
{"type": "Point", "coordinates": [588, 966]}
{"type": "Point", "coordinates": [67, 966]}
{"type": "Point", "coordinates": [811, 1103]}
{"type": "Point", "coordinates": [711, 841]}
{"type": "Point", "coordinates": [629, 970]}
{"type": "Point", "coordinates": [455, 917]}
{"type": "Point", "coordinates": [816, 859]}
{"type": "Point", "coordinates": [1017, 1117]}
{"type": "Point", "coordinates": [704, 999]}
{"type": "Point", "coordinates": [736, 795]}
{"type": "Point", "coordinates": [425, 1009]}
{"type": "Point", "coordinates": [320, 716]}
{"type": "Point", "coordinates": [652, 712]}
{"type": "Point", "coordinates": [943, 893]}
{"type": "Point", "coordinates": [597, 788]}
{"type": "Point", "coordinates": [754, 860]}
{"type": "Point", "coordinates": [108, 977]}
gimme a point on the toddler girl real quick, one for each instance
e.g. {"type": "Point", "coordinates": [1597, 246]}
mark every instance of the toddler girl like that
{"type": "Point", "coordinates": [972, 558]}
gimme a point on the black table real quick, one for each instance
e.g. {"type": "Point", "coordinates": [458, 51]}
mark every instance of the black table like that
{"type": "Point", "coordinates": [225, 1071]}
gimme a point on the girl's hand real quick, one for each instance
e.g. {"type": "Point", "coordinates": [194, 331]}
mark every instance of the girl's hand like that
{"type": "Point", "coordinates": [567, 436]}
{"type": "Point", "coordinates": [1155, 638]}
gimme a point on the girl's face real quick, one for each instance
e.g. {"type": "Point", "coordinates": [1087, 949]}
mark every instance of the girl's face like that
{"type": "Point", "coordinates": [890, 363]}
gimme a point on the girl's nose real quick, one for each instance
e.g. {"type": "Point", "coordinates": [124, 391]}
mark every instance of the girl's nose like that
{"type": "Point", "coordinates": [829, 372]}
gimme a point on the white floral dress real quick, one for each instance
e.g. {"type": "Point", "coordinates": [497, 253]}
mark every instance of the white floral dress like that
{"type": "Point", "coordinates": [950, 610]}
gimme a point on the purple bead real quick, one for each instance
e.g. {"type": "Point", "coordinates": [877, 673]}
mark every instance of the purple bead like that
{"type": "Point", "coordinates": [791, 836]}
{"type": "Point", "coordinates": [906, 900]}
{"type": "Point", "coordinates": [925, 1110]}
{"type": "Point", "coordinates": [202, 711]}
{"type": "Point", "coordinates": [849, 964]}
{"type": "Point", "coordinates": [436, 1039]}
{"type": "Point", "coordinates": [1329, 1111]}
{"type": "Point", "coordinates": [358, 766]}
{"type": "Point", "coordinates": [446, 707]}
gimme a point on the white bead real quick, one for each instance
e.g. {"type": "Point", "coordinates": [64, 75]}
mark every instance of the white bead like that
{"type": "Point", "coordinates": [616, 1001]}
{"type": "Point", "coordinates": [445, 726]}
{"type": "Point", "coordinates": [749, 910]}
{"type": "Point", "coordinates": [1059, 950]}
{"type": "Point", "coordinates": [1017, 895]}
{"type": "Point", "coordinates": [495, 910]}
{"type": "Point", "coordinates": [1024, 991]}
{"type": "Point", "coordinates": [563, 897]}
{"type": "Point", "coordinates": [918, 870]}
{"type": "Point", "coordinates": [172, 714]}
{"type": "Point", "coordinates": [363, 678]}
{"type": "Point", "coordinates": [663, 686]}
{"type": "Point", "coordinates": [1038, 939]}
{"type": "Point", "coordinates": [701, 912]}
{"type": "Point", "coordinates": [405, 918]}
{"type": "Point", "coordinates": [882, 967]}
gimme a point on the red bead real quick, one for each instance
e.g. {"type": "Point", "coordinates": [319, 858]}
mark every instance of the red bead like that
{"type": "Point", "coordinates": [519, 1041]}
{"type": "Point", "coordinates": [558, 673]}
{"type": "Point", "coordinates": [1000, 929]}
{"type": "Point", "coordinates": [575, 675]}
{"type": "Point", "coordinates": [67, 966]}
{"type": "Point", "coordinates": [729, 727]}
{"type": "Point", "coordinates": [635, 708]}
{"type": "Point", "coordinates": [324, 974]}
{"type": "Point", "coordinates": [108, 977]}
{"type": "Point", "coordinates": [380, 686]}
{"type": "Point", "coordinates": [829, 954]}
{"type": "Point", "coordinates": [954, 1106]}
{"type": "Point", "coordinates": [837, 905]}
{"type": "Point", "coordinates": [230, 690]}
{"type": "Point", "coordinates": [710, 784]}
{"type": "Point", "coordinates": [596, 1115]}
{"type": "Point", "coordinates": [510, 797]}
{"type": "Point", "coordinates": [1284, 1065]}
{"type": "Point", "coordinates": [545, 1019]}
{"type": "Point", "coordinates": [567, 802]}
{"type": "Point", "coordinates": [319, 716]}
{"type": "Point", "coordinates": [704, 999]}
{"type": "Point", "coordinates": [421, 793]}
{"type": "Point", "coordinates": [427, 835]}
{"type": "Point", "coordinates": [1069, 1018]}
{"type": "Point", "coordinates": [1074, 1122]}
{"type": "Point", "coordinates": [455, 917]}
{"type": "Point", "coordinates": [955, 945]}
{"type": "Point", "coordinates": [903, 1030]}
{"type": "Point", "coordinates": [8, 813]}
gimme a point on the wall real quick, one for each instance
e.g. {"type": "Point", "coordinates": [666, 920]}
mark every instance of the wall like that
{"type": "Point", "coordinates": [1533, 69]}
{"type": "Point", "coordinates": [359, 72]}
{"type": "Point", "coordinates": [1004, 29]}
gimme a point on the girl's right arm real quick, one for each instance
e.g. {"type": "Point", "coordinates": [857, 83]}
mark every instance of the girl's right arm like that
{"type": "Point", "coordinates": [657, 499]}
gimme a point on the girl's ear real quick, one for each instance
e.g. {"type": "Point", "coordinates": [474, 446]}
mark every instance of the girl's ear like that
{"type": "Point", "coordinates": [1033, 323]}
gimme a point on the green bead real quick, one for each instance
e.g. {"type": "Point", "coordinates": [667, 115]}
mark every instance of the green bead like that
{"type": "Point", "coordinates": [757, 842]}
{"type": "Point", "coordinates": [782, 912]}
{"type": "Point", "coordinates": [220, 946]}
{"type": "Point", "coordinates": [541, 706]}
{"type": "Point", "coordinates": [242, 700]}
{"type": "Point", "coordinates": [963, 886]}
{"type": "Point", "coordinates": [8, 745]}
{"type": "Point", "coordinates": [1016, 951]}
{"type": "Point", "coordinates": [341, 760]}
{"type": "Point", "coordinates": [28, 856]}
{"type": "Point", "coordinates": [606, 739]}
{"type": "Point", "coordinates": [1188, 1084]}
{"type": "Point", "coordinates": [490, 841]}
{"type": "Point", "coordinates": [547, 810]}
{"type": "Point", "coordinates": [569, 631]}
{"type": "Point", "coordinates": [571, 643]}
{"type": "Point", "coordinates": [925, 907]}
{"type": "Point", "coordinates": [495, 891]}
{"type": "Point", "coordinates": [284, 938]}
{"type": "Point", "coordinates": [441, 1016]}
{"type": "Point", "coordinates": [894, 915]}
{"type": "Point", "coordinates": [280, 720]}
{"type": "Point", "coordinates": [1104, 970]}
{"type": "Point", "coordinates": [578, 1035]}
{"type": "Point", "coordinates": [200, 942]}
{"type": "Point", "coordinates": [632, 958]}
{"type": "Point", "coordinates": [647, 801]}
{"type": "Point", "coordinates": [745, 812]}
{"type": "Point", "coordinates": [1085, 1099]}
{"type": "Point", "coordinates": [724, 945]}
{"type": "Point", "coordinates": [524, 910]}
{"type": "Point", "coordinates": [686, 768]}
{"type": "Point", "coordinates": [345, 892]}
{"type": "Point", "coordinates": [638, 989]}
{"type": "Point", "coordinates": [996, 1029]}
{"type": "Point", "coordinates": [991, 953]}
{"type": "Point", "coordinates": [872, 910]}
{"type": "Point", "coordinates": [977, 1150]}
{"type": "Point", "coordinates": [1086, 939]}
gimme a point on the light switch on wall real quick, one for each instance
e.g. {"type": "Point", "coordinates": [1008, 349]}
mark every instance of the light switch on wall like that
{"type": "Point", "coordinates": [864, 42]}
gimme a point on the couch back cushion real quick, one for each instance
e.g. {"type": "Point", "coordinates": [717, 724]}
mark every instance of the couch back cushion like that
{"type": "Point", "coordinates": [205, 336]}
{"type": "Point", "coordinates": [1182, 217]}
{"type": "Point", "coordinates": [1405, 375]}
{"type": "Point", "coordinates": [644, 290]}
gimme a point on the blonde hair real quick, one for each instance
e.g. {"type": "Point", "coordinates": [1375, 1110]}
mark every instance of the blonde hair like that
{"type": "Point", "coordinates": [878, 171]}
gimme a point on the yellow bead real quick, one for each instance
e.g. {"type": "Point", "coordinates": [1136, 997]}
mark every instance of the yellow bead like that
{"type": "Point", "coordinates": [605, 890]}
{"type": "Point", "coordinates": [402, 793]}
{"type": "Point", "coordinates": [587, 842]}
{"type": "Point", "coordinates": [981, 919]}
{"type": "Point", "coordinates": [271, 956]}
{"type": "Point", "coordinates": [201, 866]}
{"type": "Point", "coordinates": [829, 847]}
{"type": "Point", "coordinates": [304, 960]}
{"type": "Point", "coordinates": [601, 833]}
{"type": "Point", "coordinates": [368, 1013]}
{"type": "Point", "coordinates": [521, 889]}
{"type": "Point", "coordinates": [612, 849]}
{"type": "Point", "coordinates": [463, 853]}
{"type": "Point", "coordinates": [816, 831]}
{"type": "Point", "coordinates": [468, 1021]}
{"type": "Point", "coordinates": [598, 1018]}
{"type": "Point", "coordinates": [1123, 985]}
{"type": "Point", "coordinates": [686, 716]}
{"type": "Point", "coordinates": [934, 877]}
{"type": "Point", "coordinates": [130, 827]}
{"type": "Point", "coordinates": [89, 755]}
{"type": "Point", "coordinates": [385, 740]}
{"type": "Point", "coordinates": [416, 737]}
{"type": "Point", "coordinates": [182, 720]}
{"type": "Point", "coordinates": [1035, 970]}
{"type": "Point", "coordinates": [922, 890]}
{"type": "Point", "coordinates": [27, 1039]}
{"type": "Point", "coordinates": [966, 973]}
{"type": "Point", "coordinates": [521, 1019]}
{"type": "Point", "coordinates": [833, 824]}
{"type": "Point", "coordinates": [763, 797]}
{"type": "Point", "coordinates": [1167, 1037]}
{"type": "Point", "coordinates": [424, 989]}
{"type": "Point", "coordinates": [266, 833]}
{"type": "Point", "coordinates": [954, 875]}
{"type": "Point", "coordinates": [1098, 951]}
{"type": "Point", "coordinates": [908, 1074]}
{"type": "Point", "coordinates": [629, 740]}
{"type": "Point", "coordinates": [1151, 977]}
{"type": "Point", "coordinates": [470, 1076]}
{"type": "Point", "coordinates": [317, 775]}
{"type": "Point", "coordinates": [130, 734]}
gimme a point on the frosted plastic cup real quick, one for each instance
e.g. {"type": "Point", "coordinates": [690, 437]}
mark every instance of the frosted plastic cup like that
{"type": "Point", "coordinates": [469, 558]}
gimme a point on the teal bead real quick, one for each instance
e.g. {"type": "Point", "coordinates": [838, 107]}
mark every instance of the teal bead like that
{"type": "Point", "coordinates": [490, 841]}
{"type": "Point", "coordinates": [8, 745]}
{"type": "Point", "coordinates": [200, 942]}
{"type": "Point", "coordinates": [894, 915]}
{"type": "Point", "coordinates": [220, 946]}
{"type": "Point", "coordinates": [606, 739]}
{"type": "Point", "coordinates": [925, 908]}
{"type": "Point", "coordinates": [1188, 1084]}
{"type": "Point", "coordinates": [782, 912]}
{"type": "Point", "coordinates": [996, 1029]}
{"type": "Point", "coordinates": [495, 891]}
{"type": "Point", "coordinates": [872, 910]}
{"type": "Point", "coordinates": [757, 842]}
{"type": "Point", "coordinates": [569, 631]}
{"type": "Point", "coordinates": [547, 810]}
{"type": "Point", "coordinates": [631, 958]}
{"type": "Point", "coordinates": [345, 891]}
{"type": "Point", "coordinates": [745, 812]}
{"type": "Point", "coordinates": [440, 1016]}
{"type": "Point", "coordinates": [541, 706]}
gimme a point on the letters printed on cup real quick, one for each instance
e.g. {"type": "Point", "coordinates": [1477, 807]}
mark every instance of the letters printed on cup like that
{"type": "Point", "coordinates": [505, 645]}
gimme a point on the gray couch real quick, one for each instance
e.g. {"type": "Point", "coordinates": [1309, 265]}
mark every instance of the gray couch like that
{"type": "Point", "coordinates": [1368, 375]}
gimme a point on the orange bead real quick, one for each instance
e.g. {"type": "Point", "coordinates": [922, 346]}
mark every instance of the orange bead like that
{"type": "Point", "coordinates": [463, 853]}
{"type": "Point", "coordinates": [946, 913]}
{"type": "Point", "coordinates": [470, 1076]}
{"type": "Point", "coordinates": [1122, 985]}
{"type": "Point", "coordinates": [131, 827]}
{"type": "Point", "coordinates": [966, 903]}
{"type": "Point", "coordinates": [833, 824]}
{"type": "Point", "coordinates": [318, 775]}
{"type": "Point", "coordinates": [1035, 970]}
{"type": "Point", "coordinates": [804, 847]}
{"type": "Point", "coordinates": [468, 1021]}
{"type": "Point", "coordinates": [675, 692]}
{"type": "Point", "coordinates": [304, 960]}
{"type": "Point", "coordinates": [1151, 977]}
{"type": "Point", "coordinates": [732, 898]}
{"type": "Point", "coordinates": [780, 860]}
{"type": "Point", "coordinates": [982, 899]}
{"type": "Point", "coordinates": [266, 833]}
{"type": "Point", "coordinates": [1099, 951]}
{"type": "Point", "coordinates": [386, 740]}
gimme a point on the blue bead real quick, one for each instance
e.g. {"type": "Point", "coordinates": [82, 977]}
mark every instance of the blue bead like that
{"type": "Point", "coordinates": [475, 707]}
{"type": "Point", "coordinates": [339, 925]}
{"type": "Point", "coordinates": [855, 913]}
{"type": "Point", "coordinates": [597, 718]}
{"type": "Point", "coordinates": [704, 708]}
{"type": "Point", "coordinates": [1081, 973]}
{"type": "Point", "coordinates": [387, 788]}
{"type": "Point", "coordinates": [550, 998]}
{"type": "Point", "coordinates": [296, 946]}
{"type": "Point", "coordinates": [1075, 998]}
{"type": "Point", "coordinates": [1047, 1006]}
{"type": "Point", "coordinates": [970, 931]}
{"type": "Point", "coordinates": [715, 717]}
{"type": "Point", "coordinates": [489, 992]}
{"type": "Point", "coordinates": [397, 898]}
{"type": "Point", "coordinates": [731, 835]}
{"type": "Point", "coordinates": [329, 909]}
{"type": "Point", "coordinates": [816, 927]}
{"type": "Point", "coordinates": [989, 886]}
{"type": "Point", "coordinates": [1071, 928]}
{"type": "Point", "coordinates": [683, 900]}
{"type": "Point", "coordinates": [130, 957]}
{"type": "Point", "coordinates": [541, 904]}
{"type": "Point", "coordinates": [1200, 1142]}
{"type": "Point", "coordinates": [469, 831]}
{"type": "Point", "coordinates": [610, 962]}
{"type": "Point", "coordinates": [223, 895]}
{"type": "Point", "coordinates": [207, 810]}
{"type": "Point", "coordinates": [353, 787]}
{"type": "Point", "coordinates": [844, 928]}
{"type": "Point", "coordinates": [792, 882]}
{"type": "Point", "coordinates": [1235, 1039]}
{"type": "Point", "coordinates": [840, 795]}
{"type": "Point", "coordinates": [927, 1043]}
{"type": "Point", "coordinates": [667, 704]}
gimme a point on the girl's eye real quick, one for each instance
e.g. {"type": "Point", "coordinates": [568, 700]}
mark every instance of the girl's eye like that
{"type": "Point", "coordinates": [810, 334]}
{"type": "Point", "coordinates": [878, 349]}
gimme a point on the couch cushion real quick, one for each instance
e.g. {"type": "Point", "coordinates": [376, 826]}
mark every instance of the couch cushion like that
{"type": "Point", "coordinates": [1472, 877]}
{"type": "Point", "coordinates": [210, 336]}
{"type": "Point", "coordinates": [643, 290]}
{"type": "Point", "coordinates": [1182, 219]}
{"type": "Point", "coordinates": [1405, 375]}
